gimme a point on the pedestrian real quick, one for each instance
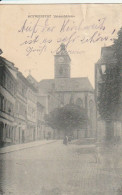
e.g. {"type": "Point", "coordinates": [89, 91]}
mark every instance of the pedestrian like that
{"type": "Point", "coordinates": [65, 141]}
{"type": "Point", "coordinates": [69, 139]}
{"type": "Point", "coordinates": [97, 153]}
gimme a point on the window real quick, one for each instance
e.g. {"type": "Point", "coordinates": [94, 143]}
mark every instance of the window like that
{"type": "Point", "coordinates": [61, 97]}
{"type": "Point", "coordinates": [23, 90]}
{"type": "Point", "coordinates": [4, 105]}
{"type": "Point", "coordinates": [61, 71]}
{"type": "Point", "coordinates": [7, 131]}
{"type": "Point", "coordinates": [8, 108]}
{"type": "Point", "coordinates": [1, 101]}
{"type": "Point", "coordinates": [103, 68]}
{"type": "Point", "coordinates": [79, 102]}
{"type": "Point", "coordinates": [91, 107]}
{"type": "Point", "coordinates": [3, 80]}
{"type": "Point", "coordinates": [1, 130]}
{"type": "Point", "coordinates": [77, 84]}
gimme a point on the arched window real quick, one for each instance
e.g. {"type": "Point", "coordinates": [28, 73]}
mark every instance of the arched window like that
{"type": "Point", "coordinates": [61, 70]}
{"type": "Point", "coordinates": [79, 102]}
{"type": "Point", "coordinates": [91, 107]}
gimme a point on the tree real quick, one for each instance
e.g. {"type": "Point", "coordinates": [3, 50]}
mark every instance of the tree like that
{"type": "Point", "coordinates": [118, 47]}
{"type": "Point", "coordinates": [109, 98]}
{"type": "Point", "coordinates": [67, 118]}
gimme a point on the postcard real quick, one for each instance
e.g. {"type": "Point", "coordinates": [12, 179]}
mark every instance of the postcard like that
{"type": "Point", "coordinates": [60, 99]}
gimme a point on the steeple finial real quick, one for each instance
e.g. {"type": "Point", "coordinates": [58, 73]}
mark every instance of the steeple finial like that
{"type": "Point", "coordinates": [63, 46]}
{"type": "Point", "coordinates": [29, 72]}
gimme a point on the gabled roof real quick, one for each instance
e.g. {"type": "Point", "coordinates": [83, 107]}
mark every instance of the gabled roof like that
{"type": "Point", "coordinates": [28, 84]}
{"type": "Point", "coordinates": [66, 85]}
{"type": "Point", "coordinates": [32, 79]}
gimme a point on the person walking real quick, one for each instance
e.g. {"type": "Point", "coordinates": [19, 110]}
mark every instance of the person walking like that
{"type": "Point", "coordinates": [97, 153]}
{"type": "Point", "coordinates": [65, 141]}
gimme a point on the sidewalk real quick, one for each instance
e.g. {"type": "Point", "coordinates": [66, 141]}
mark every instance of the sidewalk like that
{"type": "Point", "coordinates": [25, 146]}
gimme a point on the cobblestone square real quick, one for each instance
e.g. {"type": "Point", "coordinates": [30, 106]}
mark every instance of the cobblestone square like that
{"type": "Point", "coordinates": [56, 169]}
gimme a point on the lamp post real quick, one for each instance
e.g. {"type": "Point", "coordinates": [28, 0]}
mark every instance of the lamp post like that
{"type": "Point", "coordinates": [103, 68]}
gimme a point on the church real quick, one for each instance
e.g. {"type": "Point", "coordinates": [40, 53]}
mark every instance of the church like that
{"type": "Point", "coordinates": [63, 89]}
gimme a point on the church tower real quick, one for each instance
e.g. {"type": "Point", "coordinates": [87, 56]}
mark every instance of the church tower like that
{"type": "Point", "coordinates": [62, 63]}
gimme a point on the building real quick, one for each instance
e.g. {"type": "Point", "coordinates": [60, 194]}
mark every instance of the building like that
{"type": "Point", "coordinates": [21, 108]}
{"type": "Point", "coordinates": [7, 102]}
{"type": "Point", "coordinates": [31, 112]}
{"type": "Point", "coordinates": [21, 111]}
{"type": "Point", "coordinates": [63, 89]}
{"type": "Point", "coordinates": [40, 121]}
{"type": "Point", "coordinates": [43, 131]}
{"type": "Point", "coordinates": [107, 60]}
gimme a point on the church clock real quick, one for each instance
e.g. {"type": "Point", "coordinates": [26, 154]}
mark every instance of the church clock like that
{"type": "Point", "coordinates": [60, 59]}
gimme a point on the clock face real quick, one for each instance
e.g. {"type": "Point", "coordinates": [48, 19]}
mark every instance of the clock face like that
{"type": "Point", "coordinates": [60, 59]}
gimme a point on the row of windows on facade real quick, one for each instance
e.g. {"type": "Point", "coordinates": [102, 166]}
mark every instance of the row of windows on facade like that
{"type": "Point", "coordinates": [60, 99]}
{"type": "Point", "coordinates": [8, 83]}
{"type": "Point", "coordinates": [26, 92]}
{"type": "Point", "coordinates": [31, 95]}
{"type": "Point", "coordinates": [40, 114]}
{"type": "Point", "coordinates": [31, 112]}
{"type": "Point", "coordinates": [22, 88]}
{"type": "Point", "coordinates": [20, 108]}
{"type": "Point", "coordinates": [78, 101]}
{"type": "Point", "coordinates": [8, 131]}
{"type": "Point", "coordinates": [6, 105]}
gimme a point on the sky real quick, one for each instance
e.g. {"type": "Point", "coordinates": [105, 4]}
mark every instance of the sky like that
{"type": "Point", "coordinates": [31, 34]}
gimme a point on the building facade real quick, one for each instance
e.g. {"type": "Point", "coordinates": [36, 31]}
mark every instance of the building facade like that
{"type": "Point", "coordinates": [31, 112]}
{"type": "Point", "coordinates": [20, 111]}
{"type": "Point", "coordinates": [7, 102]}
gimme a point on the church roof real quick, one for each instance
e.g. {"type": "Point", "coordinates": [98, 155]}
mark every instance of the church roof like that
{"type": "Point", "coordinates": [66, 85]}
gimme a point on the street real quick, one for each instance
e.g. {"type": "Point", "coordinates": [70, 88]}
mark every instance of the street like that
{"type": "Point", "coordinates": [56, 169]}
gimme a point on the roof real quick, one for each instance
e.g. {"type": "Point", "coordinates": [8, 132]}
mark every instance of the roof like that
{"type": "Point", "coordinates": [10, 65]}
{"type": "Point", "coordinates": [107, 55]}
{"type": "Point", "coordinates": [62, 51]}
{"type": "Point", "coordinates": [66, 84]}
{"type": "Point", "coordinates": [31, 78]}
{"type": "Point", "coordinates": [32, 81]}
{"type": "Point", "coordinates": [21, 76]}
